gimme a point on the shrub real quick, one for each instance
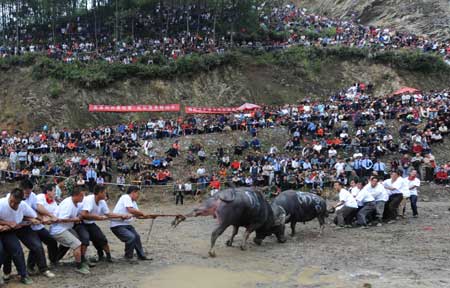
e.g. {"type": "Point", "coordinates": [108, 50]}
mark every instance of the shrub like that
{"type": "Point", "coordinates": [54, 89]}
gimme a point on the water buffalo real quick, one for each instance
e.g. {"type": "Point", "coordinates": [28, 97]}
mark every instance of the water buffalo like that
{"type": "Point", "coordinates": [241, 207]}
{"type": "Point", "coordinates": [302, 207]}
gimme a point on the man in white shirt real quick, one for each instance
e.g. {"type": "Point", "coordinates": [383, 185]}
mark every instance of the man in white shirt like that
{"type": "Point", "coordinates": [13, 211]}
{"type": "Point", "coordinates": [347, 206]}
{"type": "Point", "coordinates": [395, 187]}
{"type": "Point", "coordinates": [367, 201]}
{"type": "Point", "coordinates": [123, 228]}
{"type": "Point", "coordinates": [94, 207]}
{"type": "Point", "coordinates": [413, 184]}
{"type": "Point", "coordinates": [381, 196]}
{"type": "Point", "coordinates": [46, 206]}
{"type": "Point", "coordinates": [36, 234]}
{"type": "Point", "coordinates": [63, 233]}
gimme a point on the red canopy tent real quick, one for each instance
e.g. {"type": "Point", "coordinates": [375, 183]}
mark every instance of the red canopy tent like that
{"type": "Point", "coordinates": [405, 90]}
{"type": "Point", "coordinates": [248, 107]}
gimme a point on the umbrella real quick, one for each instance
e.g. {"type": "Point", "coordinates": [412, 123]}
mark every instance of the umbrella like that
{"type": "Point", "coordinates": [405, 90]}
{"type": "Point", "coordinates": [248, 107]}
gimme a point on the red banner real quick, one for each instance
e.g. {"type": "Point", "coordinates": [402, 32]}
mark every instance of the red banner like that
{"type": "Point", "coordinates": [134, 108]}
{"type": "Point", "coordinates": [210, 110]}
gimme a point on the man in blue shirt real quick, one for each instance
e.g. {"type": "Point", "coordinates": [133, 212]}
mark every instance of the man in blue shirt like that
{"type": "Point", "coordinates": [357, 166]}
{"type": "Point", "coordinates": [367, 165]}
{"type": "Point", "coordinates": [91, 176]}
{"type": "Point", "coordinates": [380, 168]}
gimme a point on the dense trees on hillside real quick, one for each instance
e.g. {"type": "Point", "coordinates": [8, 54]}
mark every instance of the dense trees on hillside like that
{"type": "Point", "coordinates": [50, 20]}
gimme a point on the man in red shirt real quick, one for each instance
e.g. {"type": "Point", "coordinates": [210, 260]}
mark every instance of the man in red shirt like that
{"type": "Point", "coordinates": [441, 176]}
{"type": "Point", "coordinates": [235, 165]}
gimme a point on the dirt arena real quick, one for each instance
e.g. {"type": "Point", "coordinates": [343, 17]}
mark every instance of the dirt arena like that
{"type": "Point", "coordinates": [409, 253]}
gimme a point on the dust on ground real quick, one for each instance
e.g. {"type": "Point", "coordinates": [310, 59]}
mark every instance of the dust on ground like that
{"type": "Point", "coordinates": [409, 253]}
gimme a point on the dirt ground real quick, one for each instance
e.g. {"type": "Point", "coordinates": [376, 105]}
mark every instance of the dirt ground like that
{"type": "Point", "coordinates": [408, 253]}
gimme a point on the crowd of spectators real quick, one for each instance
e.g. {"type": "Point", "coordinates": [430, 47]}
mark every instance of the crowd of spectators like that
{"type": "Point", "coordinates": [177, 31]}
{"type": "Point", "coordinates": [350, 136]}
{"type": "Point", "coordinates": [347, 139]}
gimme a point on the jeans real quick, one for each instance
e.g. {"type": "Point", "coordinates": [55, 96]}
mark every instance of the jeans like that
{"type": "Point", "coordinates": [30, 239]}
{"type": "Point", "coordinates": [179, 198]}
{"type": "Point", "coordinates": [132, 240]}
{"type": "Point", "coordinates": [82, 233]}
{"type": "Point", "coordinates": [379, 207]}
{"type": "Point", "coordinates": [413, 200]}
{"type": "Point", "coordinates": [52, 248]}
{"type": "Point", "coordinates": [365, 211]}
{"type": "Point", "coordinates": [391, 207]}
{"type": "Point", "coordinates": [91, 232]}
{"type": "Point", "coordinates": [11, 244]}
{"type": "Point", "coordinates": [345, 215]}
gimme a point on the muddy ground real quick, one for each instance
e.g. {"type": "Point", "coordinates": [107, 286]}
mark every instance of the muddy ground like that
{"type": "Point", "coordinates": [409, 253]}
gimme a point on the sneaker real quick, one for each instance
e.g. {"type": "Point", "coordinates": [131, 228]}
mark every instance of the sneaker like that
{"type": "Point", "coordinates": [96, 260]}
{"type": "Point", "coordinates": [379, 224]}
{"type": "Point", "coordinates": [54, 264]}
{"type": "Point", "coordinates": [364, 227]}
{"type": "Point", "coordinates": [89, 263]}
{"type": "Point", "coordinates": [49, 274]}
{"type": "Point", "coordinates": [83, 270]}
{"type": "Point", "coordinates": [144, 258]}
{"type": "Point", "coordinates": [390, 221]}
{"type": "Point", "coordinates": [32, 271]}
{"type": "Point", "coordinates": [339, 227]}
{"type": "Point", "coordinates": [348, 226]}
{"type": "Point", "coordinates": [130, 260]}
{"type": "Point", "coordinates": [416, 216]}
{"type": "Point", "coordinates": [26, 280]}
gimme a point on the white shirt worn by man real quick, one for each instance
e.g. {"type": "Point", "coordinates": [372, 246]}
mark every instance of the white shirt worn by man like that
{"type": "Point", "coordinates": [347, 198]}
{"type": "Point", "coordinates": [66, 210]}
{"type": "Point", "coordinates": [92, 207]}
{"type": "Point", "coordinates": [400, 187]}
{"type": "Point", "coordinates": [50, 207]}
{"type": "Point", "coordinates": [124, 202]}
{"type": "Point", "coordinates": [378, 192]}
{"type": "Point", "coordinates": [413, 183]}
{"type": "Point", "coordinates": [16, 216]}
{"type": "Point", "coordinates": [364, 196]}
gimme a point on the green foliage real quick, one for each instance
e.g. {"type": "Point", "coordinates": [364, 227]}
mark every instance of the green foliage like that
{"type": "Point", "coordinates": [55, 89]}
{"type": "Point", "coordinates": [15, 61]}
{"type": "Point", "coordinates": [100, 74]}
{"type": "Point", "coordinates": [415, 61]}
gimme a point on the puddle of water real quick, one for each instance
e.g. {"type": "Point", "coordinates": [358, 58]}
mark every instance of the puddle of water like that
{"type": "Point", "coordinates": [184, 276]}
{"type": "Point", "coordinates": [202, 277]}
{"type": "Point", "coordinates": [314, 276]}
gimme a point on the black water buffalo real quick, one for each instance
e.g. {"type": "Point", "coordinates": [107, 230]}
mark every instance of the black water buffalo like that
{"type": "Point", "coordinates": [302, 207]}
{"type": "Point", "coordinates": [241, 207]}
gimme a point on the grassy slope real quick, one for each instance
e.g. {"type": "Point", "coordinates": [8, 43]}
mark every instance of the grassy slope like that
{"type": "Point", "coordinates": [28, 103]}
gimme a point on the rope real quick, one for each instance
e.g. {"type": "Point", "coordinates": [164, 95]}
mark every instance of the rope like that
{"type": "Point", "coordinates": [109, 183]}
{"type": "Point", "coordinates": [150, 230]}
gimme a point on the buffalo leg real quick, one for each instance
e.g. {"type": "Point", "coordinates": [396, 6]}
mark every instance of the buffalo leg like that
{"type": "Point", "coordinates": [215, 234]}
{"type": "Point", "coordinates": [322, 224]}
{"type": "Point", "coordinates": [244, 240]}
{"type": "Point", "coordinates": [235, 232]}
{"type": "Point", "coordinates": [293, 223]}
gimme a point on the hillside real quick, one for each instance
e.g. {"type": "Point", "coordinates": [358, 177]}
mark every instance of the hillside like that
{"type": "Point", "coordinates": [28, 103]}
{"type": "Point", "coordinates": [422, 17]}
